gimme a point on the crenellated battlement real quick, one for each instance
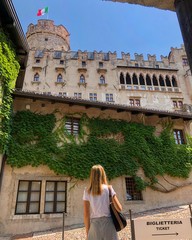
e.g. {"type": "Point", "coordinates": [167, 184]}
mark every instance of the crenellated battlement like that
{"type": "Point", "coordinates": [47, 27]}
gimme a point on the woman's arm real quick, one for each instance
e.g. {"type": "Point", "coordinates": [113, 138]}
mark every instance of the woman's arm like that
{"type": "Point", "coordinates": [87, 216]}
{"type": "Point", "coordinates": [116, 203]}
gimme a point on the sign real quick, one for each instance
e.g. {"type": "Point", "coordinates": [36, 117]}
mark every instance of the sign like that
{"type": "Point", "coordinates": [161, 229]}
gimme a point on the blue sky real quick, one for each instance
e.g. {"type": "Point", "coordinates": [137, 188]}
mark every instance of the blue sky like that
{"type": "Point", "coordinates": [108, 26]}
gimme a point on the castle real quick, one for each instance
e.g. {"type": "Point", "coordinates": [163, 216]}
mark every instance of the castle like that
{"type": "Point", "coordinates": [69, 85]}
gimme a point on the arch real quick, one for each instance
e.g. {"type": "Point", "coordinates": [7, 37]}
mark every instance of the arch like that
{"type": "Point", "coordinates": [174, 81]}
{"type": "Point", "coordinates": [155, 81]}
{"type": "Point", "coordinates": [141, 79]}
{"type": "Point", "coordinates": [36, 77]}
{"type": "Point", "coordinates": [102, 79]}
{"type": "Point", "coordinates": [135, 79]}
{"type": "Point", "coordinates": [128, 79]}
{"type": "Point", "coordinates": [148, 80]}
{"type": "Point", "coordinates": [161, 81]}
{"type": "Point", "coordinates": [167, 81]}
{"type": "Point", "coordinates": [59, 77]}
{"type": "Point", "coordinates": [122, 79]}
{"type": "Point", "coordinates": [82, 79]}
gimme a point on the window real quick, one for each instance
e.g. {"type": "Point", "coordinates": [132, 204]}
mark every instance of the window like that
{"type": "Point", "coordinates": [122, 80]}
{"type": "Point", "coordinates": [57, 54]}
{"type": "Point", "coordinates": [72, 126]}
{"type": "Point", "coordinates": [109, 97]}
{"type": "Point", "coordinates": [155, 82]}
{"type": "Point", "coordinates": [141, 80]}
{"type": "Point", "coordinates": [38, 54]}
{"type": "Point", "coordinates": [185, 61]}
{"type": "Point", "coordinates": [100, 64]}
{"type": "Point", "coordinates": [78, 95]}
{"type": "Point", "coordinates": [82, 79]}
{"type": "Point", "coordinates": [178, 136]}
{"type": "Point", "coordinates": [136, 65]}
{"type": "Point", "coordinates": [131, 192]}
{"type": "Point", "coordinates": [167, 81]}
{"type": "Point", "coordinates": [46, 39]}
{"type": "Point", "coordinates": [178, 104]}
{"type": "Point", "coordinates": [134, 102]}
{"type": "Point", "coordinates": [36, 77]}
{"type": "Point", "coordinates": [161, 81]}
{"type": "Point", "coordinates": [93, 96]}
{"type": "Point", "coordinates": [157, 66]}
{"type": "Point", "coordinates": [148, 80]}
{"type": "Point", "coordinates": [37, 61]}
{"type": "Point", "coordinates": [62, 94]}
{"type": "Point", "coordinates": [55, 196]}
{"type": "Point", "coordinates": [59, 78]}
{"type": "Point", "coordinates": [102, 79]}
{"type": "Point", "coordinates": [61, 61]}
{"type": "Point", "coordinates": [135, 80]}
{"type": "Point", "coordinates": [28, 197]}
{"type": "Point", "coordinates": [128, 79]}
{"type": "Point", "coordinates": [83, 64]}
{"type": "Point", "coordinates": [174, 82]}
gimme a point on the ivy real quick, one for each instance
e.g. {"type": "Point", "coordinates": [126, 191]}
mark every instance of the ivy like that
{"type": "Point", "coordinates": [121, 147]}
{"type": "Point", "coordinates": [9, 69]}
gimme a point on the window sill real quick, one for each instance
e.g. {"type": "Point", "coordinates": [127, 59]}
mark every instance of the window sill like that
{"type": "Point", "coordinates": [102, 84]}
{"type": "Point", "coordinates": [37, 216]}
{"type": "Point", "coordinates": [35, 82]}
{"type": "Point", "coordinates": [82, 84]}
{"type": "Point", "coordinates": [60, 83]}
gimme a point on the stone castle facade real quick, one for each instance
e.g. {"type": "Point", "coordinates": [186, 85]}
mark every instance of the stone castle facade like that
{"type": "Point", "coordinates": [54, 69]}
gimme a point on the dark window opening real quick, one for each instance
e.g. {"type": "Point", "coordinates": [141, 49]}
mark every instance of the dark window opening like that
{"type": "Point", "coordinates": [155, 82]}
{"type": "Point", "coordinates": [168, 82]}
{"type": "Point", "coordinates": [36, 77]}
{"type": "Point", "coordinates": [135, 80]}
{"type": "Point", "coordinates": [174, 82]}
{"type": "Point", "coordinates": [148, 80]}
{"type": "Point", "coordinates": [128, 79]}
{"type": "Point", "coordinates": [141, 80]}
{"type": "Point", "coordinates": [131, 193]}
{"type": "Point", "coordinates": [122, 80]}
{"type": "Point", "coordinates": [161, 81]}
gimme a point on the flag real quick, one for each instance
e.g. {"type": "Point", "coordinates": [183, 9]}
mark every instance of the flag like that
{"type": "Point", "coordinates": [42, 11]}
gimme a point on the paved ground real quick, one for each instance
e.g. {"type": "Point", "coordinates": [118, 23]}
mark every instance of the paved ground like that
{"type": "Point", "coordinates": [178, 212]}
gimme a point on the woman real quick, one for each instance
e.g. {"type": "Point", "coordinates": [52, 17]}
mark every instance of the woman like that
{"type": "Point", "coordinates": [97, 217]}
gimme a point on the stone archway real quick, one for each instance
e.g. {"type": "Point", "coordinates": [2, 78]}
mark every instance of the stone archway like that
{"type": "Point", "coordinates": [183, 8]}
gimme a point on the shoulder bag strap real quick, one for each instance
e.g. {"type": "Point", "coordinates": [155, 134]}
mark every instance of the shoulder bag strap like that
{"type": "Point", "coordinates": [110, 197]}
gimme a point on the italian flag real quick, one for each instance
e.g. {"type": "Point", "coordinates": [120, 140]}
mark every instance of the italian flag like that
{"type": "Point", "coordinates": [42, 11]}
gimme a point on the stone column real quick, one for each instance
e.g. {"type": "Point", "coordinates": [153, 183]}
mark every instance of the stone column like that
{"type": "Point", "coordinates": [184, 14]}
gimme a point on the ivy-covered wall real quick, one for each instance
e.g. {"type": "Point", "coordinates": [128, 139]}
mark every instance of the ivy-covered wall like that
{"type": "Point", "coordinates": [121, 147]}
{"type": "Point", "coordinates": [9, 69]}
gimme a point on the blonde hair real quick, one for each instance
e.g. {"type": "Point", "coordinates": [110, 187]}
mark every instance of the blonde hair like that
{"type": "Point", "coordinates": [97, 178]}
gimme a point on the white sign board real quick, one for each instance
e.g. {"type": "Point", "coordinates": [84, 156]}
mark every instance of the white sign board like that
{"type": "Point", "coordinates": [169, 229]}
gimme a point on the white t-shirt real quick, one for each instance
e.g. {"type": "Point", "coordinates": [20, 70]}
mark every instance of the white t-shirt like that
{"type": "Point", "coordinates": [99, 205]}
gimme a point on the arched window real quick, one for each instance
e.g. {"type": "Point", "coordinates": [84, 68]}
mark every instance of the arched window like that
{"type": "Point", "coordinates": [135, 79]}
{"type": "Point", "coordinates": [128, 79]}
{"type": "Point", "coordinates": [148, 80]}
{"type": "Point", "coordinates": [82, 79]}
{"type": "Point", "coordinates": [161, 81]}
{"type": "Point", "coordinates": [167, 81]}
{"type": "Point", "coordinates": [155, 82]}
{"type": "Point", "coordinates": [174, 82]}
{"type": "Point", "coordinates": [102, 79]}
{"type": "Point", "coordinates": [141, 80]}
{"type": "Point", "coordinates": [36, 77]}
{"type": "Point", "coordinates": [59, 78]}
{"type": "Point", "coordinates": [122, 80]}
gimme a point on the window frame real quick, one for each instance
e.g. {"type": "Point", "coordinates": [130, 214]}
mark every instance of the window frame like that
{"type": "Point", "coordinates": [179, 136]}
{"type": "Point", "coordinates": [28, 202]}
{"type": "Point", "coordinates": [72, 124]}
{"type": "Point", "coordinates": [131, 190]}
{"type": "Point", "coordinates": [55, 201]}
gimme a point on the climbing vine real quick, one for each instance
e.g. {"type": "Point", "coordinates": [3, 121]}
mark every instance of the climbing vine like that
{"type": "Point", "coordinates": [9, 69]}
{"type": "Point", "coordinates": [121, 147]}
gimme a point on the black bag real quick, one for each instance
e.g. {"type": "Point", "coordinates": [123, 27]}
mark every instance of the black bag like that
{"type": "Point", "coordinates": [118, 218]}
